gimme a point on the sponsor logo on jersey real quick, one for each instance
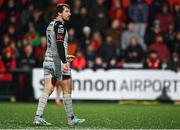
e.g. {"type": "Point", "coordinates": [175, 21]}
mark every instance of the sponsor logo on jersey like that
{"type": "Point", "coordinates": [58, 36]}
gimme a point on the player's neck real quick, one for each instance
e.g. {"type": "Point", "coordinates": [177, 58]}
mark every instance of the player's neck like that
{"type": "Point", "coordinates": [58, 18]}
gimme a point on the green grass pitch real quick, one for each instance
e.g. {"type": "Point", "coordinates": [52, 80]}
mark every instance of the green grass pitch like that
{"type": "Point", "coordinates": [98, 116]}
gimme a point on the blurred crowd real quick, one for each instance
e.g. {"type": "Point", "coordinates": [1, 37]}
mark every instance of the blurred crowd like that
{"type": "Point", "coordinates": [102, 33]}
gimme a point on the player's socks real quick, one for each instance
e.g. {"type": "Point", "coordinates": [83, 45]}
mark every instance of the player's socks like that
{"type": "Point", "coordinates": [42, 103]}
{"type": "Point", "coordinates": [68, 105]}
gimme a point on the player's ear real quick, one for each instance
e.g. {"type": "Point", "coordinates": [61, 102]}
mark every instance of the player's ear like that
{"type": "Point", "coordinates": [59, 14]}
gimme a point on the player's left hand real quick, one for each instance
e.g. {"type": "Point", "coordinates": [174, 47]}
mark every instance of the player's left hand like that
{"type": "Point", "coordinates": [70, 58]}
{"type": "Point", "coordinates": [65, 68]}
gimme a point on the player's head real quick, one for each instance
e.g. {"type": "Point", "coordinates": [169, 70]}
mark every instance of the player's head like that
{"type": "Point", "coordinates": [63, 10]}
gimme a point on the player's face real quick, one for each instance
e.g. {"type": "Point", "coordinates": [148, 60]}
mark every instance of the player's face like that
{"type": "Point", "coordinates": [66, 14]}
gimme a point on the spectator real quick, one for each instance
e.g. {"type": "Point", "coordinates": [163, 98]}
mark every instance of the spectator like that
{"type": "Point", "coordinates": [49, 12]}
{"type": "Point", "coordinates": [100, 20]}
{"type": "Point", "coordinates": [96, 42]}
{"type": "Point", "coordinates": [33, 36]}
{"type": "Point", "coordinates": [114, 32]}
{"type": "Point", "coordinates": [109, 51]}
{"type": "Point", "coordinates": [90, 56]}
{"type": "Point", "coordinates": [172, 3]}
{"type": "Point", "coordinates": [159, 46]}
{"type": "Point", "coordinates": [176, 16]}
{"type": "Point", "coordinates": [73, 42]}
{"type": "Point", "coordinates": [38, 22]}
{"type": "Point", "coordinates": [79, 62]}
{"type": "Point", "coordinates": [134, 52]}
{"type": "Point", "coordinates": [152, 61]}
{"type": "Point", "coordinates": [8, 46]}
{"type": "Point", "coordinates": [83, 20]}
{"type": "Point", "coordinates": [11, 7]}
{"type": "Point", "coordinates": [176, 44]}
{"type": "Point", "coordinates": [26, 63]}
{"type": "Point", "coordinates": [117, 13]}
{"type": "Point", "coordinates": [40, 52]}
{"type": "Point", "coordinates": [125, 3]}
{"type": "Point", "coordinates": [174, 63]}
{"type": "Point", "coordinates": [76, 7]}
{"type": "Point", "coordinates": [13, 19]}
{"type": "Point", "coordinates": [23, 43]}
{"type": "Point", "coordinates": [75, 22]}
{"type": "Point", "coordinates": [27, 60]}
{"type": "Point", "coordinates": [2, 16]}
{"type": "Point", "coordinates": [98, 64]}
{"type": "Point", "coordinates": [12, 14]}
{"type": "Point", "coordinates": [128, 34]}
{"type": "Point", "coordinates": [2, 70]}
{"type": "Point", "coordinates": [155, 8]}
{"type": "Point", "coordinates": [151, 33]}
{"type": "Point", "coordinates": [170, 36]}
{"type": "Point", "coordinates": [138, 13]}
{"type": "Point", "coordinates": [84, 17]}
{"type": "Point", "coordinates": [85, 38]}
{"type": "Point", "coordinates": [26, 15]}
{"type": "Point", "coordinates": [165, 18]}
{"type": "Point", "coordinates": [13, 33]}
{"type": "Point", "coordinates": [6, 63]}
{"type": "Point", "coordinates": [1, 48]}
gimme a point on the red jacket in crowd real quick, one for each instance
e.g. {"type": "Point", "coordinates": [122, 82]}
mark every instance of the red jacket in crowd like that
{"type": "Point", "coordinates": [79, 62]}
{"type": "Point", "coordinates": [4, 75]}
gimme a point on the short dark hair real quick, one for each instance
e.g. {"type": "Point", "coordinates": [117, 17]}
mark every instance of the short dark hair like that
{"type": "Point", "coordinates": [60, 7]}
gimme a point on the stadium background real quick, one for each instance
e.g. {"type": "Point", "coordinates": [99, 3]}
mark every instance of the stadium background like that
{"type": "Point", "coordinates": [116, 34]}
{"type": "Point", "coordinates": [103, 35]}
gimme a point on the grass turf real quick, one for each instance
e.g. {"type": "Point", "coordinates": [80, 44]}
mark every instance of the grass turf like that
{"type": "Point", "coordinates": [97, 115]}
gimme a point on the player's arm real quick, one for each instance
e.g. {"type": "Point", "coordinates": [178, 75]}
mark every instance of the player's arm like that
{"type": "Point", "coordinates": [60, 35]}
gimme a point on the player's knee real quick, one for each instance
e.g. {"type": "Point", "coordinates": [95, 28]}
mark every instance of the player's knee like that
{"type": "Point", "coordinates": [66, 92]}
{"type": "Point", "coordinates": [66, 89]}
{"type": "Point", "coordinates": [49, 89]}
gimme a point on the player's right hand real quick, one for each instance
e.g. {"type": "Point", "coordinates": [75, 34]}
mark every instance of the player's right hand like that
{"type": "Point", "coordinates": [70, 58]}
{"type": "Point", "coordinates": [65, 68]}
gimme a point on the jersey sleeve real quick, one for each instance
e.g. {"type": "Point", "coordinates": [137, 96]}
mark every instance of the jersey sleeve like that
{"type": "Point", "coordinates": [60, 33]}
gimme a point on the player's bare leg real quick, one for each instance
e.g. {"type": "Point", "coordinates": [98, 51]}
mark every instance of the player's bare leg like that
{"type": "Point", "coordinates": [58, 101]}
